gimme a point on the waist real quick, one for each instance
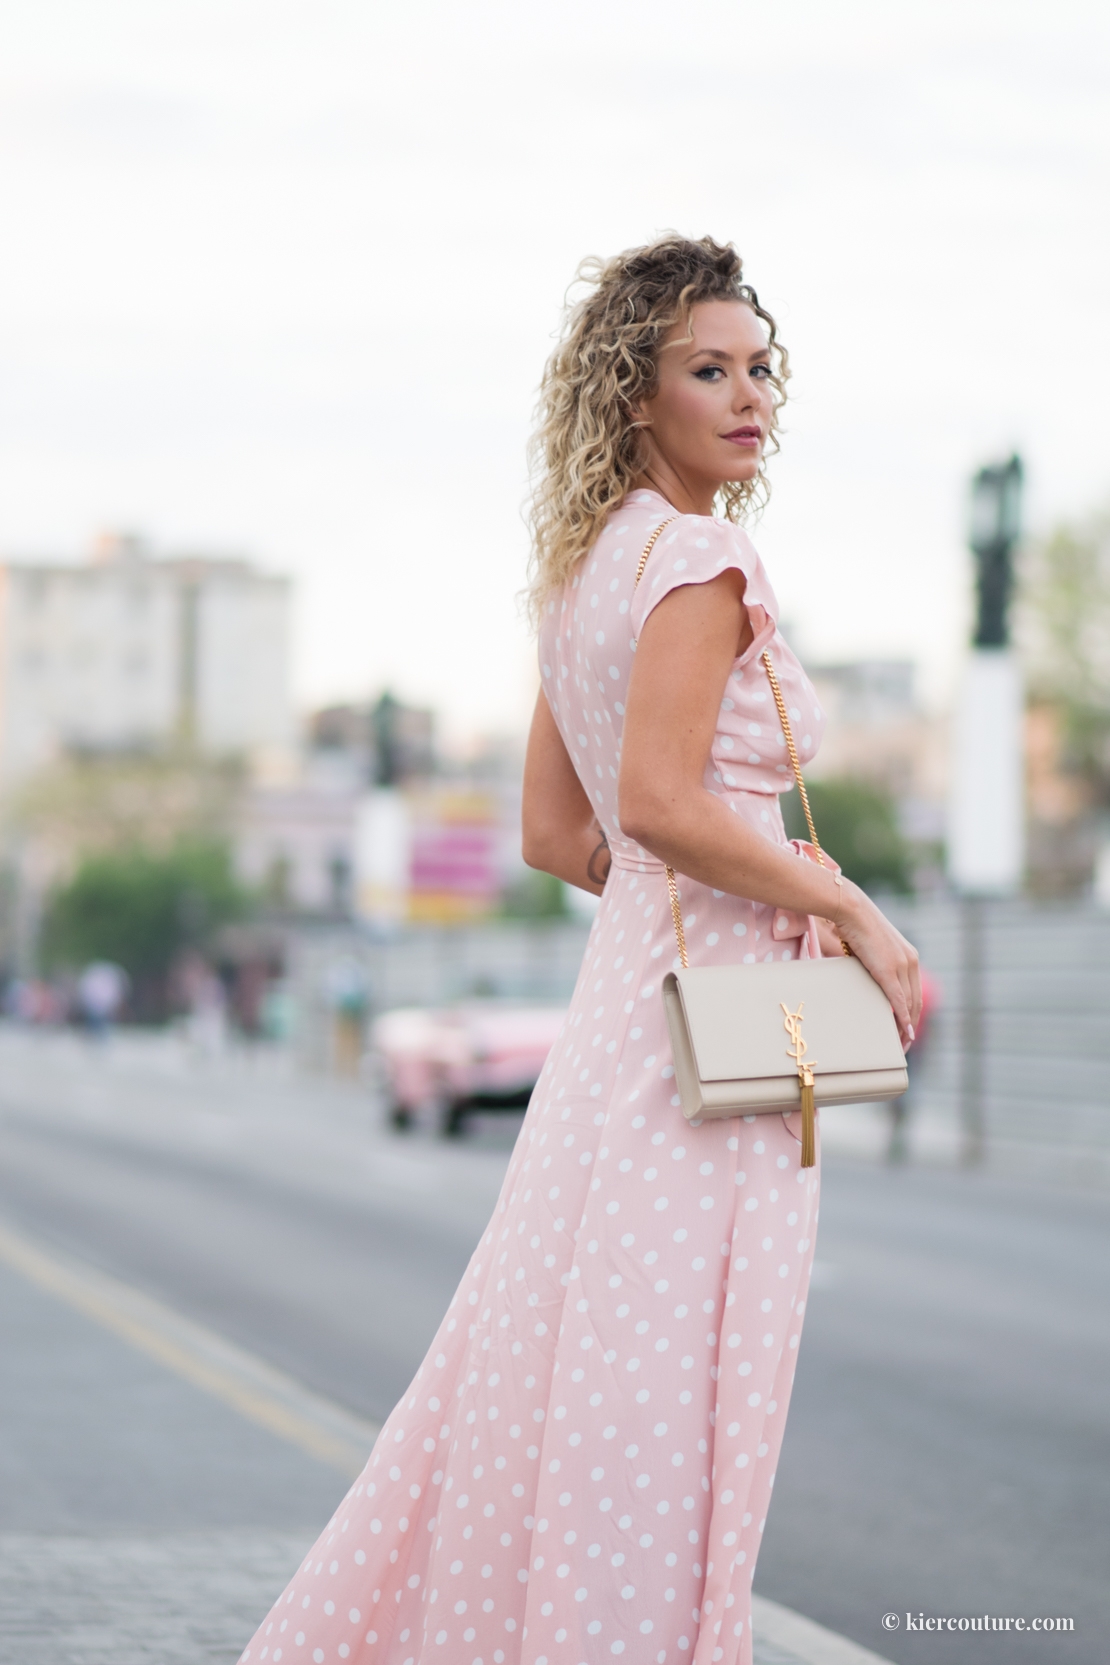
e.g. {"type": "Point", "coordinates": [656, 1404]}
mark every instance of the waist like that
{"type": "Point", "coordinates": [761, 811]}
{"type": "Point", "coordinates": [635, 861]}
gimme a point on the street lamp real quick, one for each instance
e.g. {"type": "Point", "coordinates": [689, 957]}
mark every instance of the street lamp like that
{"type": "Point", "coordinates": [994, 533]}
{"type": "Point", "coordinates": [987, 806]}
{"type": "Point", "coordinates": [987, 810]}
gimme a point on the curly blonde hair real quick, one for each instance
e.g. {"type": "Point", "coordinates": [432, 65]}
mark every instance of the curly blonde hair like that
{"type": "Point", "coordinates": [586, 452]}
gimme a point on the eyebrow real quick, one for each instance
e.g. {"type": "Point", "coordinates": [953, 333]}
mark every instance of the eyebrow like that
{"type": "Point", "coordinates": [727, 358]}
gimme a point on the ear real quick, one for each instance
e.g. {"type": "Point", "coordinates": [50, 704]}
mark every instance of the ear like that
{"type": "Point", "coordinates": [637, 418]}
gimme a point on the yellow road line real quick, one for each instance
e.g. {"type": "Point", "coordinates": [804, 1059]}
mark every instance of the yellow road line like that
{"type": "Point", "coordinates": [255, 1389]}
{"type": "Point", "coordinates": [286, 1408]}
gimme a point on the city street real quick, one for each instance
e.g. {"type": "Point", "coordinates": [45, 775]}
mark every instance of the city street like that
{"type": "Point", "coordinates": [949, 1437]}
{"type": "Point", "coordinates": [338, 787]}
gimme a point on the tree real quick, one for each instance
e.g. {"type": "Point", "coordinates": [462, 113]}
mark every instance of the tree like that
{"type": "Point", "coordinates": [1064, 630]}
{"type": "Point", "coordinates": [155, 800]}
{"type": "Point", "coordinates": [141, 909]}
{"type": "Point", "coordinates": [535, 895]}
{"type": "Point", "coordinates": [858, 826]}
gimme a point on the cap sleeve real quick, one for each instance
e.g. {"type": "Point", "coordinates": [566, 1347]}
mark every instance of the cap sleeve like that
{"type": "Point", "coordinates": [693, 550]}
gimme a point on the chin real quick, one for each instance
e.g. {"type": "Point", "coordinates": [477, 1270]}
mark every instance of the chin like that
{"type": "Point", "coordinates": [741, 473]}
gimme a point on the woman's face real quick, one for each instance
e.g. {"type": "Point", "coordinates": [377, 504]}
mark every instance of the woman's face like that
{"type": "Point", "coordinates": [710, 415]}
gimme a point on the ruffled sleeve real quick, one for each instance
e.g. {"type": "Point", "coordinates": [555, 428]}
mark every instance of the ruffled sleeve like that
{"type": "Point", "coordinates": [693, 550]}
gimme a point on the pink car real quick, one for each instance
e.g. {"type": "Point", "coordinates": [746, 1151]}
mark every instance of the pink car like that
{"type": "Point", "coordinates": [478, 1055]}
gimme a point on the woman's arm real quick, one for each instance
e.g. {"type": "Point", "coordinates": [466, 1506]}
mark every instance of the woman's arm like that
{"type": "Point", "coordinates": [683, 660]}
{"type": "Point", "coordinates": [561, 834]}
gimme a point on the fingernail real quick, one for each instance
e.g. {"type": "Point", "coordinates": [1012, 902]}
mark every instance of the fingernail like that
{"type": "Point", "coordinates": [913, 1037]}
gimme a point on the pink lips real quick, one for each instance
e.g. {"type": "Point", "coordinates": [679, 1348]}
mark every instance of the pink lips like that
{"type": "Point", "coordinates": [744, 436]}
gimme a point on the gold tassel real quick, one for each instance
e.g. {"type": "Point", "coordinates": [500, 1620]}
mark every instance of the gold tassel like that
{"type": "Point", "coordinates": [809, 1131]}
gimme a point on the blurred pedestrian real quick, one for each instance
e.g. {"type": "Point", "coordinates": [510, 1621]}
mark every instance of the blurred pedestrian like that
{"type": "Point", "coordinates": [348, 995]}
{"type": "Point", "coordinates": [102, 989]}
{"type": "Point", "coordinates": [34, 1001]}
{"type": "Point", "coordinates": [582, 1465]}
{"type": "Point", "coordinates": [205, 999]}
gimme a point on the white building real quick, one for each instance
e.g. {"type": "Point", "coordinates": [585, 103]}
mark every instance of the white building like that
{"type": "Point", "coordinates": [127, 651]}
{"type": "Point", "coordinates": [879, 732]}
{"type": "Point", "coordinates": [295, 838]}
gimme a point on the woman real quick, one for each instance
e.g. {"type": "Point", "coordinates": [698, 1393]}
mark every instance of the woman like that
{"type": "Point", "coordinates": [583, 1463]}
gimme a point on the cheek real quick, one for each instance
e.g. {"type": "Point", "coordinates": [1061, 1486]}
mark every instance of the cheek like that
{"type": "Point", "coordinates": [694, 407]}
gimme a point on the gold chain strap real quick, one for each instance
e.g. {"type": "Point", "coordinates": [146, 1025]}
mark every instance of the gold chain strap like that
{"type": "Point", "coordinates": [792, 750]}
{"type": "Point", "coordinates": [676, 915]}
{"type": "Point", "coordinates": [788, 736]}
{"type": "Point", "coordinates": [648, 547]}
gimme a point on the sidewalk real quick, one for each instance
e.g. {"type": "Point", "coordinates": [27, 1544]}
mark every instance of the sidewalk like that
{"type": "Point", "coordinates": [157, 1484]}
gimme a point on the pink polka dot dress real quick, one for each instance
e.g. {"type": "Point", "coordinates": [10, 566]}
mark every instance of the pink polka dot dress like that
{"type": "Point", "coordinates": [582, 1466]}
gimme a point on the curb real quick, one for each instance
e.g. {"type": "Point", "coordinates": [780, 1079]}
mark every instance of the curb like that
{"type": "Point", "coordinates": [783, 1637]}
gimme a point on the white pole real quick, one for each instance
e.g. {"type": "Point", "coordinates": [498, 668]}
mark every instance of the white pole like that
{"type": "Point", "coordinates": [986, 851]}
{"type": "Point", "coordinates": [986, 830]}
{"type": "Point", "coordinates": [382, 854]}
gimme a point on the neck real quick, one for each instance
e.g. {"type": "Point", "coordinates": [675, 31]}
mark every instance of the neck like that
{"type": "Point", "coordinates": [689, 497]}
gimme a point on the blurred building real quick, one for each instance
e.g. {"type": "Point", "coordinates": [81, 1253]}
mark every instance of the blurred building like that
{"type": "Point", "coordinates": [295, 838]}
{"type": "Point", "coordinates": [454, 871]}
{"type": "Point", "coordinates": [878, 732]}
{"type": "Point", "coordinates": [434, 835]}
{"type": "Point", "coordinates": [1067, 828]}
{"type": "Point", "coordinates": [1062, 628]}
{"type": "Point", "coordinates": [128, 651]}
{"type": "Point", "coordinates": [386, 742]}
{"type": "Point", "coordinates": [374, 823]}
{"type": "Point", "coordinates": [298, 835]}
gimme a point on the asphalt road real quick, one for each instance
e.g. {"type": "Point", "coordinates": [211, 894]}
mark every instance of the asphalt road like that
{"type": "Point", "coordinates": [949, 1438]}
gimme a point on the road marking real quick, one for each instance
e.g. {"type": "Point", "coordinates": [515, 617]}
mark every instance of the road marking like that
{"type": "Point", "coordinates": [255, 1389]}
{"type": "Point", "coordinates": [283, 1406]}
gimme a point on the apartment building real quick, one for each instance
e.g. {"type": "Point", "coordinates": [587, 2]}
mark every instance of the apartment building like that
{"type": "Point", "coordinates": [128, 650]}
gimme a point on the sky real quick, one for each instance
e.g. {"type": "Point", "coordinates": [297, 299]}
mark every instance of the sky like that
{"type": "Point", "coordinates": [280, 278]}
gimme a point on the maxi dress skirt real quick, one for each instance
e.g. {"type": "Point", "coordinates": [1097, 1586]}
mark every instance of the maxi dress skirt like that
{"type": "Point", "coordinates": [582, 1466]}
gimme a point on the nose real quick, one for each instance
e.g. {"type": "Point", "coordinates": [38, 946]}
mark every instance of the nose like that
{"type": "Point", "coordinates": [746, 395]}
{"type": "Point", "coordinates": [749, 394]}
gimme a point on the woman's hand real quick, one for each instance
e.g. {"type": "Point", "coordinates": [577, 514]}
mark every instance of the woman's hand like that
{"type": "Point", "coordinates": [884, 951]}
{"type": "Point", "coordinates": [829, 938]}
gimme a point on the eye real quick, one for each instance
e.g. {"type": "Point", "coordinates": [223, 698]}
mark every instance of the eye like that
{"type": "Point", "coordinates": [763, 371]}
{"type": "Point", "coordinates": [709, 372]}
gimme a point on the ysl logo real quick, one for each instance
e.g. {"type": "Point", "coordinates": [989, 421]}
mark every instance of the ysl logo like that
{"type": "Point", "coordinates": [792, 1023]}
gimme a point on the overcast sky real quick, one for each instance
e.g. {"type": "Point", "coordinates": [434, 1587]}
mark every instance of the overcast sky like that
{"type": "Point", "coordinates": [280, 277]}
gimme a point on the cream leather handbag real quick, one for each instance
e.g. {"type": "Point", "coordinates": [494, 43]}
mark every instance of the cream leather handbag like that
{"type": "Point", "coordinates": [728, 1023]}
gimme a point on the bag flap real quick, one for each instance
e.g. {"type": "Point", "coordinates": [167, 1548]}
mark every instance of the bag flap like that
{"type": "Point", "coordinates": [737, 1025]}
